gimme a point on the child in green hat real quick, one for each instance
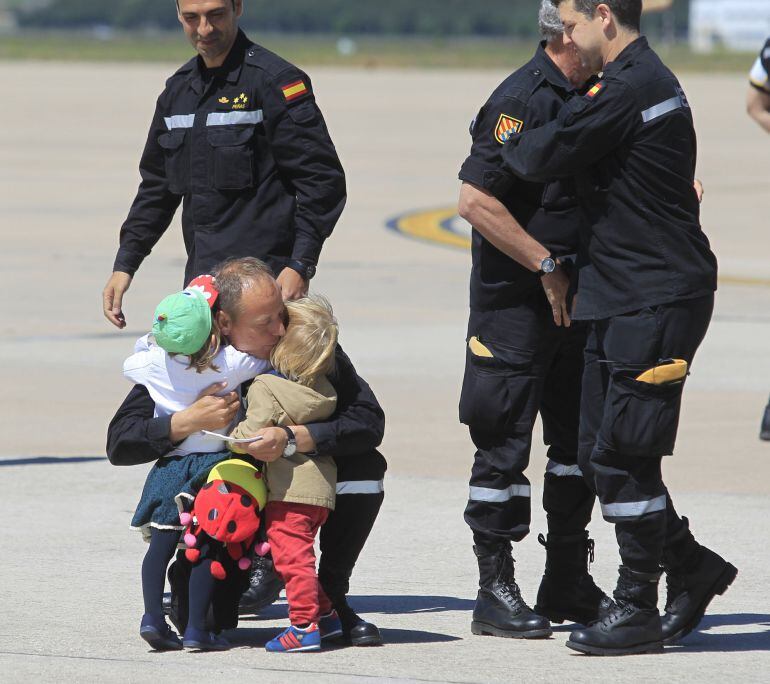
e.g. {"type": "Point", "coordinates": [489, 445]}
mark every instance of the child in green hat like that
{"type": "Point", "coordinates": [182, 357]}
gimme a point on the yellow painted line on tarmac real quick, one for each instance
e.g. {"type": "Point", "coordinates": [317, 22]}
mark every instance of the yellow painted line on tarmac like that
{"type": "Point", "coordinates": [438, 226]}
{"type": "Point", "coordinates": [433, 225]}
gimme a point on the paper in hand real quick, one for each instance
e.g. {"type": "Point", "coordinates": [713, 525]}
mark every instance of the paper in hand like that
{"type": "Point", "coordinates": [232, 440]}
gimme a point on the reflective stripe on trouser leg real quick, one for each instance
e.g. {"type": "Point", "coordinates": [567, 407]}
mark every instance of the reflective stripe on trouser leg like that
{"type": "Point", "coordinates": [498, 509]}
{"type": "Point", "coordinates": [360, 487]}
{"type": "Point", "coordinates": [561, 470]}
{"type": "Point", "coordinates": [567, 499]}
{"type": "Point", "coordinates": [634, 498]}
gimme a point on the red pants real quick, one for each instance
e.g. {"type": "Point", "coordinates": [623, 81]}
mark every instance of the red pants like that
{"type": "Point", "coordinates": [291, 531]}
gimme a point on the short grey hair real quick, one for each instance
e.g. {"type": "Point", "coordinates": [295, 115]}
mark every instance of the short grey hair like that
{"type": "Point", "coordinates": [549, 21]}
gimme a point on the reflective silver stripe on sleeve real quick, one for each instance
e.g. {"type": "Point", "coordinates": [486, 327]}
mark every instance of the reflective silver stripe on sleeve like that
{"type": "Point", "coordinates": [561, 470]}
{"type": "Point", "coordinates": [663, 108]}
{"type": "Point", "coordinates": [361, 487]}
{"type": "Point", "coordinates": [498, 495]}
{"type": "Point", "coordinates": [634, 509]}
{"type": "Point", "coordinates": [228, 118]}
{"type": "Point", "coordinates": [179, 121]}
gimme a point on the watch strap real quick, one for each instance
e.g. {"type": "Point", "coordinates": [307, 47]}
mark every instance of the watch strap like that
{"type": "Point", "coordinates": [292, 441]}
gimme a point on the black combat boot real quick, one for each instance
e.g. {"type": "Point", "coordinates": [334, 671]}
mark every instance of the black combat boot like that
{"type": "Point", "coordinates": [632, 626]}
{"type": "Point", "coordinates": [690, 589]}
{"type": "Point", "coordinates": [264, 586]}
{"type": "Point", "coordinates": [500, 610]}
{"type": "Point", "coordinates": [567, 590]}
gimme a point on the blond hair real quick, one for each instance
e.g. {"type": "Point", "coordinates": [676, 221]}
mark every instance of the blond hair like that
{"type": "Point", "coordinates": [203, 359]}
{"type": "Point", "coordinates": [306, 351]}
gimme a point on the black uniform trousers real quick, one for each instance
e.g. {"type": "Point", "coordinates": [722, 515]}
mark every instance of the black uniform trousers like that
{"type": "Point", "coordinates": [627, 426]}
{"type": "Point", "coordinates": [360, 493]}
{"type": "Point", "coordinates": [536, 367]}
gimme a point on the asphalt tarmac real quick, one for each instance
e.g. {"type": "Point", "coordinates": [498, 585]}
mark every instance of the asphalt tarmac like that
{"type": "Point", "coordinates": [69, 578]}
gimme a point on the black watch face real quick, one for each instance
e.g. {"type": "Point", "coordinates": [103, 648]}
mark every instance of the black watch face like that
{"type": "Point", "coordinates": [309, 272]}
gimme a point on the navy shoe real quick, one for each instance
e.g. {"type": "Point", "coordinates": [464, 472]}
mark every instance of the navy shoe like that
{"type": "Point", "coordinates": [296, 639]}
{"type": "Point", "coordinates": [199, 640]}
{"type": "Point", "coordinates": [330, 625]}
{"type": "Point", "coordinates": [158, 634]}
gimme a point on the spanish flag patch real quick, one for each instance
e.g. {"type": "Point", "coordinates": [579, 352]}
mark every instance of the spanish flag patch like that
{"type": "Point", "coordinates": [593, 92]}
{"type": "Point", "coordinates": [294, 90]}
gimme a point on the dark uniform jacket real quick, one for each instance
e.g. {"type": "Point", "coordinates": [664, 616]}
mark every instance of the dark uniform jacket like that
{"type": "Point", "coordinates": [630, 143]}
{"type": "Point", "coordinates": [528, 98]}
{"type": "Point", "coordinates": [135, 436]}
{"type": "Point", "coordinates": [246, 149]}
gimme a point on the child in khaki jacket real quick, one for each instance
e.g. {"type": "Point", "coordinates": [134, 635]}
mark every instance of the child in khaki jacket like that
{"type": "Point", "coordinates": [301, 487]}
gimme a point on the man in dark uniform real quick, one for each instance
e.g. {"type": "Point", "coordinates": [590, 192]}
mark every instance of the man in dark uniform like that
{"type": "Point", "coordinates": [523, 357]}
{"type": "Point", "coordinates": [253, 323]}
{"type": "Point", "coordinates": [238, 139]}
{"type": "Point", "coordinates": [758, 107]}
{"type": "Point", "coordinates": [646, 278]}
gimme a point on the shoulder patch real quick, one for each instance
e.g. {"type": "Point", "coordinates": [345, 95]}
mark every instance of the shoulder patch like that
{"type": "Point", "coordinates": [506, 127]}
{"type": "Point", "coordinates": [294, 90]}
{"type": "Point", "coordinates": [595, 90]}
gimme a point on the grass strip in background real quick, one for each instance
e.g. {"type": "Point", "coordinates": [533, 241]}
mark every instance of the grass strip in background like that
{"type": "Point", "coordinates": [313, 50]}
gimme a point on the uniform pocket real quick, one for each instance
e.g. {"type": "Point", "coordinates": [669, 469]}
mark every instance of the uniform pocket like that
{"type": "Point", "coordinates": [232, 157]}
{"type": "Point", "coordinates": [641, 419]}
{"type": "Point", "coordinates": [497, 393]}
{"type": "Point", "coordinates": [303, 113]}
{"type": "Point", "coordinates": [176, 160]}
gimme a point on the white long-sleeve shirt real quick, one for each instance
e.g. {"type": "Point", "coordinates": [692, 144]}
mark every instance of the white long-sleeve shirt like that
{"type": "Point", "coordinates": [173, 386]}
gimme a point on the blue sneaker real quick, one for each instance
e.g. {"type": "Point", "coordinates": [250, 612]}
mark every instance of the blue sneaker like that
{"type": "Point", "coordinates": [295, 639]}
{"type": "Point", "coordinates": [200, 640]}
{"type": "Point", "coordinates": [158, 634]}
{"type": "Point", "coordinates": [330, 625]}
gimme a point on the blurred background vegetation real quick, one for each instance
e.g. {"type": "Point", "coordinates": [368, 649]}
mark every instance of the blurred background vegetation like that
{"type": "Point", "coordinates": [436, 33]}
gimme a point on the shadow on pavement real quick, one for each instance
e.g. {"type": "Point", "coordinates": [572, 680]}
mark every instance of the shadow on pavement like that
{"type": "Point", "coordinates": [387, 605]}
{"type": "Point", "coordinates": [397, 605]}
{"type": "Point", "coordinates": [48, 460]}
{"type": "Point", "coordinates": [258, 636]}
{"type": "Point", "coordinates": [701, 641]}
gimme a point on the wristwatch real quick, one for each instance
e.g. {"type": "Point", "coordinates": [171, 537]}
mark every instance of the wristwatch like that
{"type": "Point", "coordinates": [306, 270]}
{"type": "Point", "coordinates": [291, 445]}
{"type": "Point", "coordinates": [547, 265]}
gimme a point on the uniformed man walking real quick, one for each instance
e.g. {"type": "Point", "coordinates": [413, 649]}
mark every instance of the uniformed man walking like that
{"type": "Point", "coordinates": [523, 357]}
{"type": "Point", "coordinates": [646, 280]}
{"type": "Point", "coordinates": [238, 139]}
{"type": "Point", "coordinates": [758, 107]}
